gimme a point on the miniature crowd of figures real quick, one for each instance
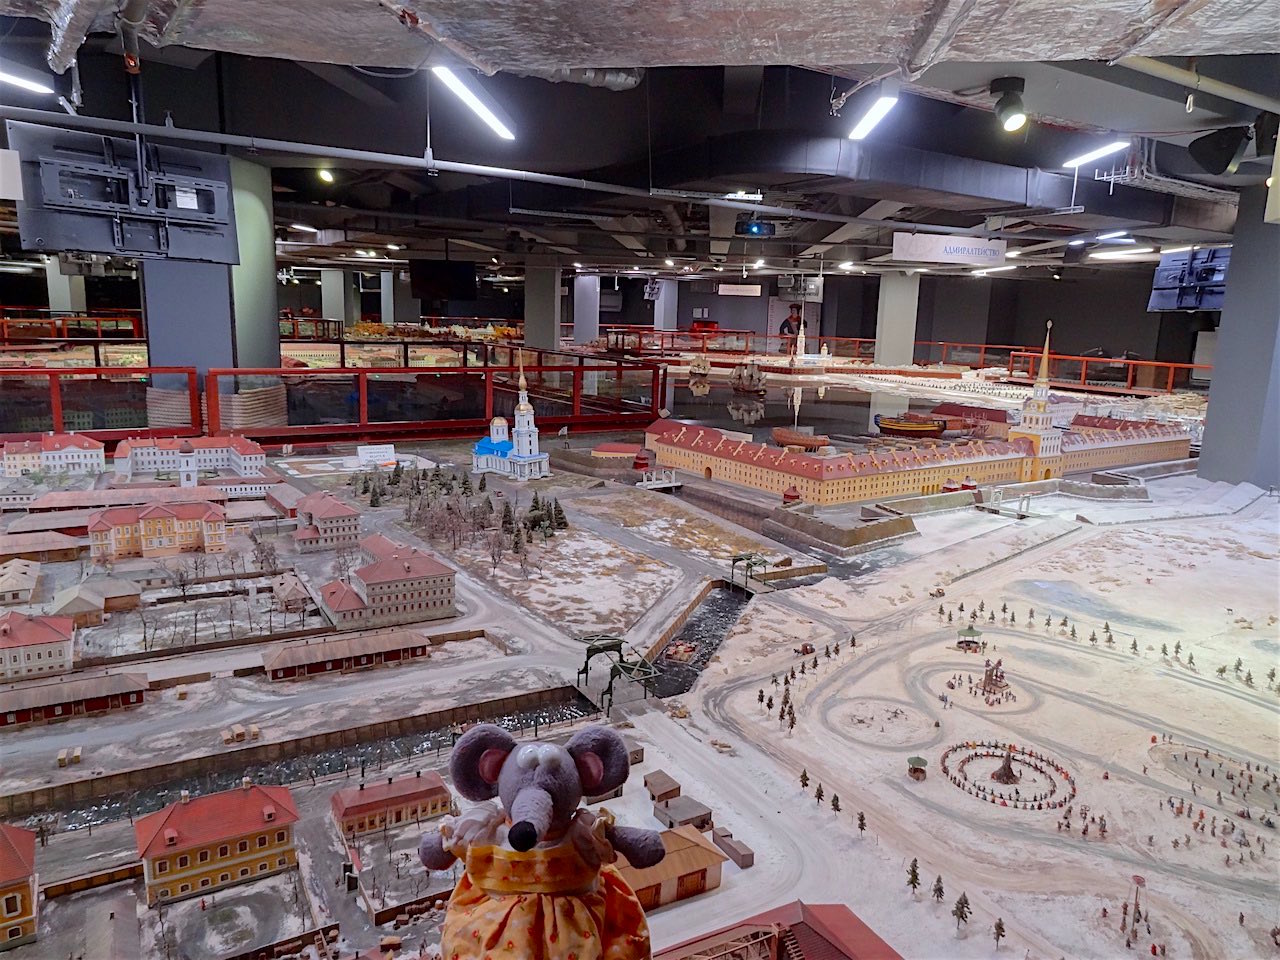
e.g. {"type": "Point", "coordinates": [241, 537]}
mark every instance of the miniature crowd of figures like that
{"type": "Point", "coordinates": [1239, 782]}
{"type": "Point", "coordinates": [1130, 930]}
{"type": "Point", "coordinates": [1086, 819]}
{"type": "Point", "coordinates": [993, 688]}
{"type": "Point", "coordinates": [1037, 800]}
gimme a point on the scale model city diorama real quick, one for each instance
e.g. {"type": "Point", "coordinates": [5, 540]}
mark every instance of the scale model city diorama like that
{"type": "Point", "coordinates": [993, 678]}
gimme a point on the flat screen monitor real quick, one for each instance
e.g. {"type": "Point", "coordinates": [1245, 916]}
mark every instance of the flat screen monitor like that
{"type": "Point", "coordinates": [1190, 280]}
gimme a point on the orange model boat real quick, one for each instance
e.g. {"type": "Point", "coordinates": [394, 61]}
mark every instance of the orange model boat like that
{"type": "Point", "coordinates": [786, 437]}
{"type": "Point", "coordinates": [910, 425]}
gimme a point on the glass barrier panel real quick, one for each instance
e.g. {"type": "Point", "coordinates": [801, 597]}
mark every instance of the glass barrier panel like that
{"type": "Point", "coordinates": [372, 355]}
{"type": "Point", "coordinates": [417, 397]}
{"type": "Point", "coordinates": [122, 402]}
{"type": "Point", "coordinates": [26, 404]}
{"type": "Point", "coordinates": [312, 354]}
{"type": "Point", "coordinates": [123, 355]}
{"type": "Point", "coordinates": [438, 355]}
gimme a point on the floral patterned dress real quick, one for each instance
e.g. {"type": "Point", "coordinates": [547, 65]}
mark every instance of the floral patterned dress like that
{"type": "Point", "coordinates": [562, 900]}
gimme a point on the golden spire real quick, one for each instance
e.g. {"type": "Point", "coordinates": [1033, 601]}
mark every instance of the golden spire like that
{"type": "Point", "coordinates": [1044, 357]}
{"type": "Point", "coordinates": [525, 386]}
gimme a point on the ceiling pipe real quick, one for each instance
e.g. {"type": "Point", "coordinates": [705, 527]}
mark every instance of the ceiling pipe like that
{"type": "Point", "coordinates": [610, 78]}
{"type": "Point", "coordinates": [430, 163]}
{"type": "Point", "coordinates": [1199, 82]}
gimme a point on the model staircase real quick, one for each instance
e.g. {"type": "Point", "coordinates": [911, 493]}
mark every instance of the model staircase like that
{"type": "Point", "coordinates": [791, 949]}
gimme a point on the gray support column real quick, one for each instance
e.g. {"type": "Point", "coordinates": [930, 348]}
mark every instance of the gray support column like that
{"type": "Point", "coordinates": [896, 319]}
{"type": "Point", "coordinates": [1242, 427]}
{"type": "Point", "coordinates": [388, 310]}
{"type": "Point", "coordinates": [336, 296]}
{"type": "Point", "coordinates": [187, 306]}
{"type": "Point", "coordinates": [664, 308]}
{"type": "Point", "coordinates": [408, 308]}
{"type": "Point", "coordinates": [66, 293]}
{"type": "Point", "coordinates": [256, 334]}
{"type": "Point", "coordinates": [586, 309]}
{"type": "Point", "coordinates": [542, 307]}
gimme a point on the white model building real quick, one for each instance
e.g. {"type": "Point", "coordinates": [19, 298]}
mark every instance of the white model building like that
{"type": "Point", "coordinates": [516, 458]}
{"type": "Point", "coordinates": [186, 457]}
{"type": "Point", "coordinates": [54, 453]}
{"type": "Point", "coordinates": [35, 645]}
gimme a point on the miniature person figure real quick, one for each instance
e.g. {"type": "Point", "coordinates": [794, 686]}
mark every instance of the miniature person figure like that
{"type": "Point", "coordinates": [539, 883]}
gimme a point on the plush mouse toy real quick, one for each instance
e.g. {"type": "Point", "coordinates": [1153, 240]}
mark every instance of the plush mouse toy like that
{"type": "Point", "coordinates": [539, 881]}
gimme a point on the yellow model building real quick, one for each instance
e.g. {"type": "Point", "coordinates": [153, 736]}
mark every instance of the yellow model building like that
{"type": "Point", "coordinates": [197, 845]}
{"type": "Point", "coordinates": [157, 530]}
{"type": "Point", "coordinates": [18, 901]}
{"type": "Point", "coordinates": [1035, 450]}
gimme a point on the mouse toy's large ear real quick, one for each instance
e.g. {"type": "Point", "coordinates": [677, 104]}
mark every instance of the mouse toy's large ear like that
{"type": "Point", "coordinates": [477, 760]}
{"type": "Point", "coordinates": [601, 758]}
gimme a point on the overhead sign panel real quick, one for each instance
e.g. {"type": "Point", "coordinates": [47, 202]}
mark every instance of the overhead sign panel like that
{"type": "Point", "coordinates": [937, 248]}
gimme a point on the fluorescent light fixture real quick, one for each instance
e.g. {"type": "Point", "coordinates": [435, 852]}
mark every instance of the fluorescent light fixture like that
{"type": "Point", "coordinates": [886, 98]}
{"type": "Point", "coordinates": [31, 86]}
{"type": "Point", "coordinates": [847, 265]}
{"type": "Point", "coordinates": [718, 269]}
{"type": "Point", "coordinates": [303, 227]}
{"type": "Point", "coordinates": [1114, 147]}
{"type": "Point", "coordinates": [1013, 253]}
{"type": "Point", "coordinates": [1164, 250]}
{"type": "Point", "coordinates": [469, 97]}
{"type": "Point", "coordinates": [669, 262]}
{"type": "Point", "coordinates": [325, 175]}
{"type": "Point", "coordinates": [758, 264]}
{"type": "Point", "coordinates": [1114, 234]}
{"type": "Point", "coordinates": [740, 194]}
{"type": "Point", "coordinates": [16, 268]}
{"type": "Point", "coordinates": [1076, 243]}
{"type": "Point", "coordinates": [577, 266]}
{"type": "Point", "coordinates": [983, 273]}
{"type": "Point", "coordinates": [394, 246]}
{"type": "Point", "coordinates": [1120, 254]}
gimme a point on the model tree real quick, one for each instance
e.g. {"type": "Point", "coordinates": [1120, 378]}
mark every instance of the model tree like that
{"type": "Point", "coordinates": [991, 617]}
{"type": "Point", "coordinates": [836, 651]}
{"type": "Point", "coordinates": [397, 474]}
{"type": "Point", "coordinates": [826, 651]}
{"type": "Point", "coordinates": [484, 485]}
{"type": "Point", "coordinates": [950, 617]}
{"type": "Point", "coordinates": [913, 875]}
{"type": "Point", "coordinates": [1048, 622]}
{"type": "Point", "coordinates": [1271, 674]}
{"type": "Point", "coordinates": [1191, 659]}
{"type": "Point", "coordinates": [1239, 663]}
{"type": "Point", "coordinates": [561, 522]}
{"type": "Point", "coordinates": [497, 546]}
{"type": "Point", "coordinates": [375, 498]}
{"type": "Point", "coordinates": [862, 823]}
{"type": "Point", "coordinates": [1133, 647]}
{"type": "Point", "coordinates": [1164, 649]}
{"type": "Point", "coordinates": [760, 696]}
{"type": "Point", "coordinates": [1248, 678]}
{"type": "Point", "coordinates": [1031, 614]}
{"type": "Point", "coordinates": [802, 668]}
{"type": "Point", "coordinates": [508, 518]}
{"type": "Point", "coordinates": [1013, 617]}
{"type": "Point", "coordinates": [791, 721]}
{"type": "Point", "coordinates": [467, 489]}
{"type": "Point", "coordinates": [961, 607]}
{"type": "Point", "coordinates": [793, 673]}
{"type": "Point", "coordinates": [1177, 648]}
{"type": "Point", "coordinates": [1073, 631]}
{"type": "Point", "coordinates": [835, 803]}
{"type": "Point", "coordinates": [814, 665]}
{"type": "Point", "coordinates": [1004, 608]}
{"type": "Point", "coordinates": [819, 794]}
{"type": "Point", "coordinates": [982, 606]}
{"type": "Point", "coordinates": [998, 931]}
{"type": "Point", "coordinates": [941, 610]}
{"type": "Point", "coordinates": [961, 911]}
{"type": "Point", "coordinates": [769, 705]}
{"type": "Point", "coordinates": [804, 779]}
{"type": "Point", "coordinates": [937, 889]}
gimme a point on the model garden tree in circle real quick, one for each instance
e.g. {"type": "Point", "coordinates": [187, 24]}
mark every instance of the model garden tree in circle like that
{"type": "Point", "coordinates": [760, 697]}
{"type": "Point", "coordinates": [938, 892]}
{"type": "Point", "coordinates": [961, 910]}
{"type": "Point", "coordinates": [998, 931]}
{"type": "Point", "coordinates": [913, 876]}
{"type": "Point", "coordinates": [1073, 631]}
{"type": "Point", "coordinates": [483, 485]}
{"type": "Point", "coordinates": [768, 706]}
{"type": "Point", "coordinates": [862, 823]}
{"type": "Point", "coordinates": [1164, 649]}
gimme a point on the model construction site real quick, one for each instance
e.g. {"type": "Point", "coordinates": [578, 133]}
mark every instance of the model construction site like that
{"type": "Point", "coordinates": [898, 673]}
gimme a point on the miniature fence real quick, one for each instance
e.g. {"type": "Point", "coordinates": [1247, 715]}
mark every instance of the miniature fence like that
{"type": "Point", "coordinates": [91, 881]}
{"type": "Point", "coordinates": [203, 647]}
{"type": "Point", "coordinates": [60, 795]}
{"type": "Point", "coordinates": [290, 946]}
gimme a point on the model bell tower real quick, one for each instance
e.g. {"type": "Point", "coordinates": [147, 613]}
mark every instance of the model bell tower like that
{"type": "Point", "coordinates": [524, 435]}
{"type": "Point", "coordinates": [1037, 425]}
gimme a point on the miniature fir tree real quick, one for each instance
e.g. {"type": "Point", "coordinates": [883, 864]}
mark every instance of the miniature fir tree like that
{"type": "Point", "coordinates": [508, 517]}
{"type": "Point", "coordinates": [786, 679]}
{"type": "Point", "coordinates": [1239, 663]}
{"type": "Point", "coordinates": [1048, 622]}
{"type": "Point", "coordinates": [991, 617]}
{"type": "Point", "coordinates": [835, 803]}
{"type": "Point", "coordinates": [1191, 659]}
{"type": "Point", "coordinates": [802, 667]}
{"type": "Point", "coordinates": [837, 648]}
{"type": "Point", "coordinates": [769, 705]}
{"type": "Point", "coordinates": [982, 606]}
{"type": "Point", "coordinates": [1271, 674]}
{"type": "Point", "coordinates": [1093, 637]}
{"type": "Point", "coordinates": [938, 893]}
{"type": "Point", "coordinates": [998, 931]}
{"type": "Point", "coordinates": [559, 520]}
{"type": "Point", "coordinates": [1063, 623]}
{"type": "Point", "coordinates": [826, 651]}
{"type": "Point", "coordinates": [814, 665]}
{"type": "Point", "coordinates": [1133, 647]}
{"type": "Point", "coordinates": [1013, 617]}
{"type": "Point", "coordinates": [961, 608]}
{"type": "Point", "coordinates": [862, 823]}
{"type": "Point", "coordinates": [1106, 626]}
{"type": "Point", "coordinates": [467, 489]}
{"type": "Point", "coordinates": [1073, 631]}
{"type": "Point", "coordinates": [818, 794]}
{"type": "Point", "coordinates": [1248, 678]}
{"type": "Point", "coordinates": [791, 721]}
{"type": "Point", "coordinates": [484, 484]}
{"type": "Point", "coordinates": [397, 474]}
{"type": "Point", "coordinates": [760, 696]}
{"type": "Point", "coordinates": [950, 618]}
{"type": "Point", "coordinates": [535, 504]}
{"type": "Point", "coordinates": [973, 616]}
{"type": "Point", "coordinates": [1004, 608]}
{"type": "Point", "coordinates": [913, 875]}
{"type": "Point", "coordinates": [364, 486]}
{"type": "Point", "coordinates": [941, 610]}
{"type": "Point", "coordinates": [961, 911]}
{"type": "Point", "coordinates": [793, 673]}
{"type": "Point", "coordinates": [804, 779]}
{"type": "Point", "coordinates": [1031, 614]}
{"type": "Point", "coordinates": [375, 498]}
{"type": "Point", "coordinates": [517, 542]}
{"type": "Point", "coordinates": [1177, 648]}
{"type": "Point", "coordinates": [1164, 649]}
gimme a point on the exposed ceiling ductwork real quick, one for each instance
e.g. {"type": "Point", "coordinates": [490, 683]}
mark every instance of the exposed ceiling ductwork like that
{"type": "Point", "coordinates": [529, 36]}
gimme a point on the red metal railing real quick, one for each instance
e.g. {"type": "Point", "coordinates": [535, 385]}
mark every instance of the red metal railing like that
{"type": "Point", "coordinates": [107, 403]}
{"type": "Point", "coordinates": [27, 323]}
{"type": "Point", "coordinates": [345, 403]}
{"type": "Point", "coordinates": [310, 328]}
{"type": "Point", "coordinates": [1105, 375]}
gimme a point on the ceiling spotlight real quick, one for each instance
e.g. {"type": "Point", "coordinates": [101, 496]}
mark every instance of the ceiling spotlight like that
{"type": "Point", "coordinates": [472, 99]}
{"type": "Point", "coordinates": [325, 175]}
{"type": "Point", "coordinates": [1013, 253]}
{"type": "Point", "coordinates": [394, 246]}
{"type": "Point", "coordinates": [577, 266]}
{"type": "Point", "coordinates": [718, 269]}
{"type": "Point", "coordinates": [1009, 109]}
{"type": "Point", "coordinates": [31, 86]}
{"type": "Point", "coordinates": [847, 265]}
{"type": "Point", "coordinates": [886, 97]}
{"type": "Point", "coordinates": [1114, 146]}
{"type": "Point", "coordinates": [1113, 235]}
{"type": "Point", "coordinates": [669, 262]}
{"type": "Point", "coordinates": [1057, 276]}
{"type": "Point", "coordinates": [303, 227]}
{"type": "Point", "coordinates": [493, 259]}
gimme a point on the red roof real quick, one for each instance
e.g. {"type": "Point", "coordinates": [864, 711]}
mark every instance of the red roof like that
{"type": "Point", "coordinates": [15, 447]}
{"type": "Point", "coordinates": [378, 796]}
{"type": "Point", "coordinates": [23, 630]}
{"type": "Point", "coordinates": [707, 440]}
{"type": "Point", "coordinates": [376, 545]}
{"type": "Point", "coordinates": [61, 441]}
{"type": "Point", "coordinates": [242, 445]}
{"type": "Point", "coordinates": [88, 499]}
{"type": "Point", "coordinates": [407, 563]}
{"type": "Point", "coordinates": [17, 853]}
{"type": "Point", "coordinates": [125, 516]}
{"type": "Point", "coordinates": [827, 931]}
{"type": "Point", "coordinates": [325, 506]}
{"type": "Point", "coordinates": [213, 818]}
{"type": "Point", "coordinates": [338, 595]}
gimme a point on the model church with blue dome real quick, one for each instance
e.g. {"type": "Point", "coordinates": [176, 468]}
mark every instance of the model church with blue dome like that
{"type": "Point", "coordinates": [517, 457]}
